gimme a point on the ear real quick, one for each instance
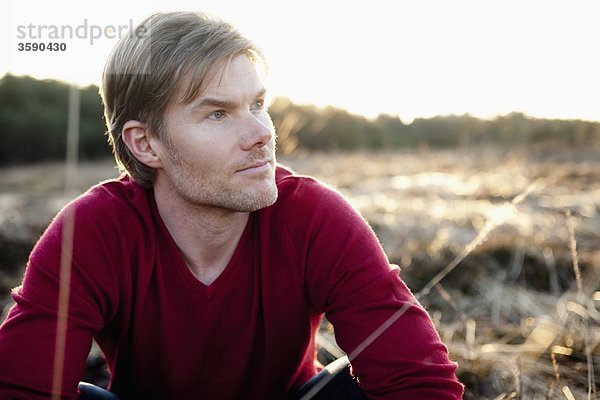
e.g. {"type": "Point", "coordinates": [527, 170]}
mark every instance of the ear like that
{"type": "Point", "coordinates": [136, 136]}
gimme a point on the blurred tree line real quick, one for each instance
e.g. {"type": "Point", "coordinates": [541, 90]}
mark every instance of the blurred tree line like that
{"type": "Point", "coordinates": [33, 124]}
{"type": "Point", "coordinates": [311, 128]}
{"type": "Point", "coordinates": [33, 121]}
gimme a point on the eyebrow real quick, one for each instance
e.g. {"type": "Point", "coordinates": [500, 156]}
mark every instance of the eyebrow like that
{"type": "Point", "coordinates": [220, 103]}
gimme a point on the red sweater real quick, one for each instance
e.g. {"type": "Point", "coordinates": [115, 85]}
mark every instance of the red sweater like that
{"type": "Point", "coordinates": [249, 335]}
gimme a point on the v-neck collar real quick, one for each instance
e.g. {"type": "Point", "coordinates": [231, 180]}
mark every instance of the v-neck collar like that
{"type": "Point", "coordinates": [179, 264]}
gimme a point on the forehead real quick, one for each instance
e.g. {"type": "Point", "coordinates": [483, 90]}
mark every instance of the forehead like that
{"type": "Point", "coordinates": [236, 76]}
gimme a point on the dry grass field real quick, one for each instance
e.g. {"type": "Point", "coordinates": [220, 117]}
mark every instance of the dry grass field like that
{"type": "Point", "coordinates": [501, 245]}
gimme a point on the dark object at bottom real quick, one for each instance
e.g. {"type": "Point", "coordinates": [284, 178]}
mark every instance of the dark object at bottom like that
{"type": "Point", "coordinates": [334, 382]}
{"type": "Point", "coordinates": [87, 391]}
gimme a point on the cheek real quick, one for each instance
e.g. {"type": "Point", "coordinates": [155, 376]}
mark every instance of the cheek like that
{"type": "Point", "coordinates": [195, 145]}
{"type": "Point", "coordinates": [266, 119]}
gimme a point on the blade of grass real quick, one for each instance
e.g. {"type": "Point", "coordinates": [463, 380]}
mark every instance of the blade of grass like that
{"type": "Point", "coordinates": [581, 300]}
{"type": "Point", "coordinates": [63, 302]}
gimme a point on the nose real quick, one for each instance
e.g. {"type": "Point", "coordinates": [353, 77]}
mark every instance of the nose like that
{"type": "Point", "coordinates": [257, 131]}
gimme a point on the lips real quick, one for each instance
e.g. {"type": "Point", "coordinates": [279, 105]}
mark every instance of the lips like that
{"type": "Point", "coordinates": [255, 165]}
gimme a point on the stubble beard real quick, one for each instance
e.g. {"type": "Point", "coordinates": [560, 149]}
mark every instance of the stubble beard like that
{"type": "Point", "coordinates": [208, 188]}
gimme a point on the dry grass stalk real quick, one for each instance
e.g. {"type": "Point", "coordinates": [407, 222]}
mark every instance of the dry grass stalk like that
{"type": "Point", "coordinates": [63, 303]}
{"type": "Point", "coordinates": [553, 382]}
{"type": "Point", "coordinates": [567, 392]}
{"type": "Point", "coordinates": [588, 351]}
{"type": "Point", "coordinates": [468, 324]}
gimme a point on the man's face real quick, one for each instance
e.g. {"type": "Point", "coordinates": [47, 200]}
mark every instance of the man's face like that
{"type": "Point", "coordinates": [221, 150]}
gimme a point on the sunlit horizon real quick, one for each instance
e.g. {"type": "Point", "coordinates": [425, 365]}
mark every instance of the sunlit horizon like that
{"type": "Point", "coordinates": [411, 60]}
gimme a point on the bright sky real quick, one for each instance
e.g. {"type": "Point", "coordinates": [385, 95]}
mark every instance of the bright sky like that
{"type": "Point", "coordinates": [407, 58]}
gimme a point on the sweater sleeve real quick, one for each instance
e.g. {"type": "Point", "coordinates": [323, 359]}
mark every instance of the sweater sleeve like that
{"type": "Point", "coordinates": [349, 278]}
{"type": "Point", "coordinates": [28, 336]}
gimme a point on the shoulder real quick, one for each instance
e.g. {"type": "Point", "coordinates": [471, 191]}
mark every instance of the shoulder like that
{"type": "Point", "coordinates": [309, 196]}
{"type": "Point", "coordinates": [100, 228]}
{"type": "Point", "coordinates": [112, 203]}
{"type": "Point", "coordinates": [309, 205]}
{"type": "Point", "coordinates": [99, 214]}
{"type": "Point", "coordinates": [93, 233]}
{"type": "Point", "coordinates": [113, 193]}
{"type": "Point", "coordinates": [305, 189]}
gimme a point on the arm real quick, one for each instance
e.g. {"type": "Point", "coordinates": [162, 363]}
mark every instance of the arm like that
{"type": "Point", "coordinates": [28, 337]}
{"type": "Point", "coordinates": [350, 279]}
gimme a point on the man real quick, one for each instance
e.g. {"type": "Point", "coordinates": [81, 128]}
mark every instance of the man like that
{"type": "Point", "coordinates": [203, 273]}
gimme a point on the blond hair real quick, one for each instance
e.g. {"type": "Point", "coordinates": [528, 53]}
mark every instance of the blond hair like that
{"type": "Point", "coordinates": [145, 70]}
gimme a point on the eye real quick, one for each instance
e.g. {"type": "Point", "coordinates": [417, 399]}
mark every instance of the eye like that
{"type": "Point", "coordinates": [258, 105]}
{"type": "Point", "coordinates": [216, 115]}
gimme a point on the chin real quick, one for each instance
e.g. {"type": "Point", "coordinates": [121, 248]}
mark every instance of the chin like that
{"type": "Point", "coordinates": [259, 201]}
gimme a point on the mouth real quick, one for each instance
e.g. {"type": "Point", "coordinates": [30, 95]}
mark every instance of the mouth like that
{"type": "Point", "coordinates": [257, 166]}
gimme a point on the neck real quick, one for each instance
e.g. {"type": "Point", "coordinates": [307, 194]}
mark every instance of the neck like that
{"type": "Point", "coordinates": [206, 236]}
